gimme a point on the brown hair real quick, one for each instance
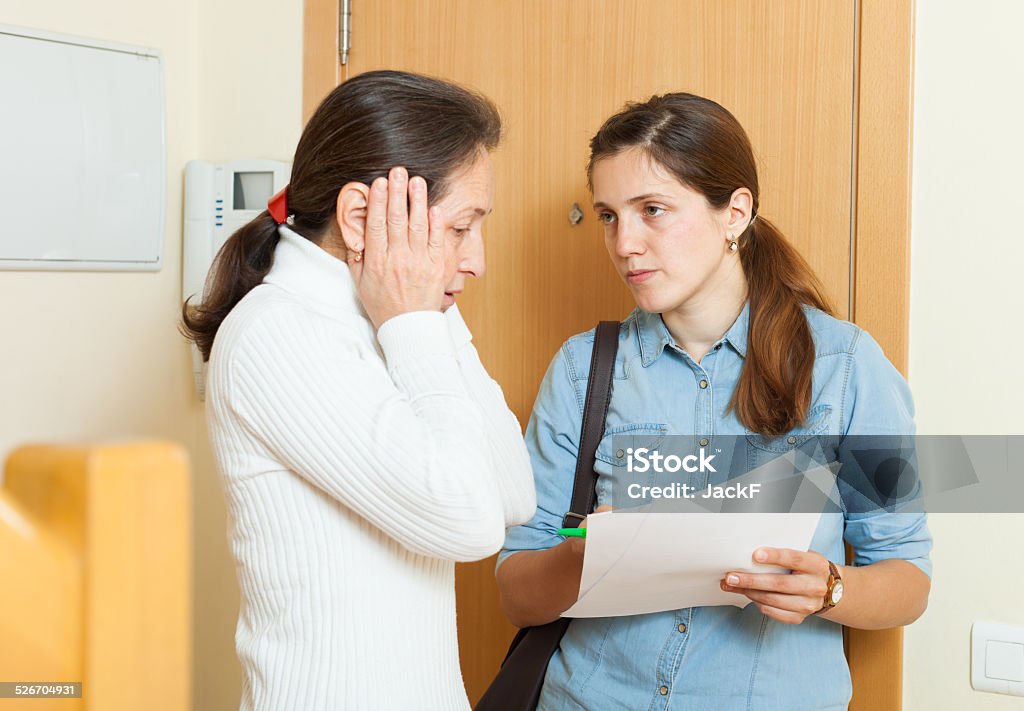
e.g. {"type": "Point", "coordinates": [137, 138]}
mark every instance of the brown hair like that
{"type": "Point", "coordinates": [706, 149]}
{"type": "Point", "coordinates": [366, 126]}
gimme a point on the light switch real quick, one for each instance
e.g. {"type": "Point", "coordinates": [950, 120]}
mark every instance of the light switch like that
{"type": "Point", "coordinates": [1004, 660]}
{"type": "Point", "coordinates": [997, 658]}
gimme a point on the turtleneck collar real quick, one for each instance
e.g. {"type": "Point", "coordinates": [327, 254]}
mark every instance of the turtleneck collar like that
{"type": "Point", "coordinates": [304, 269]}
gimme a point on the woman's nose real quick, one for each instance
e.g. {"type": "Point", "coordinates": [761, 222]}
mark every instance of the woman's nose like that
{"type": "Point", "coordinates": [471, 261]}
{"type": "Point", "coordinates": [627, 240]}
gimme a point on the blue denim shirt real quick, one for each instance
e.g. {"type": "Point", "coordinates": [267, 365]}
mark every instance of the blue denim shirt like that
{"type": "Point", "coordinates": [720, 657]}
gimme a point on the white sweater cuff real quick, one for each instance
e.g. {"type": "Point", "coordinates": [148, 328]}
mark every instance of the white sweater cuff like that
{"type": "Point", "coordinates": [413, 335]}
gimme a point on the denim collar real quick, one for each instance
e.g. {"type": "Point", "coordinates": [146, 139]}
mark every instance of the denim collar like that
{"type": "Point", "coordinates": [653, 335]}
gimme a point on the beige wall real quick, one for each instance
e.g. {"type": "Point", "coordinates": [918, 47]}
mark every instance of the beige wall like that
{"type": "Point", "coordinates": [92, 355]}
{"type": "Point", "coordinates": [250, 106]}
{"type": "Point", "coordinates": [966, 310]}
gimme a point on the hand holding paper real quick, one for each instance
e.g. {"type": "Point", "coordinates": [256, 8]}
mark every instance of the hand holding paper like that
{"type": "Point", "coordinates": [791, 598]}
{"type": "Point", "coordinates": [636, 562]}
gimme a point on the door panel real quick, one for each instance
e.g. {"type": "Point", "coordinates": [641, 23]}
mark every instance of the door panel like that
{"type": "Point", "coordinates": [557, 69]}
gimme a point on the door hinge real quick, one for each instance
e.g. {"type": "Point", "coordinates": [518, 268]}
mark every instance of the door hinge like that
{"type": "Point", "coordinates": [345, 30]}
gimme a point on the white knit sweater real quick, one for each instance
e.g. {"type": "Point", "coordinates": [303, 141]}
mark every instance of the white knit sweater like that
{"type": "Point", "coordinates": [358, 467]}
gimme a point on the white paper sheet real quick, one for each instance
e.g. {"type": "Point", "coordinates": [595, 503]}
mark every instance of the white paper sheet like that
{"type": "Point", "coordinates": [637, 563]}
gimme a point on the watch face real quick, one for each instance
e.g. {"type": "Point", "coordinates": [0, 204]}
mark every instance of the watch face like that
{"type": "Point", "coordinates": [837, 592]}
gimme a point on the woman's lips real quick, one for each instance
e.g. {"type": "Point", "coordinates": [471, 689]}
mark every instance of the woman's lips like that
{"type": "Point", "coordinates": [449, 297]}
{"type": "Point", "coordinates": [639, 276]}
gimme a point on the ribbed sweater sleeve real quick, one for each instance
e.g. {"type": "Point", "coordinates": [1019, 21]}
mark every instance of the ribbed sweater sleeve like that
{"type": "Point", "coordinates": [401, 445]}
{"type": "Point", "coordinates": [504, 435]}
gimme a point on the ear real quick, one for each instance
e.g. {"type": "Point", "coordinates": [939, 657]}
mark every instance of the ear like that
{"type": "Point", "coordinates": [351, 214]}
{"type": "Point", "coordinates": [740, 211]}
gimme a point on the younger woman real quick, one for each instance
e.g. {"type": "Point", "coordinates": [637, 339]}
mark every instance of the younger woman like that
{"type": "Point", "coordinates": [732, 335]}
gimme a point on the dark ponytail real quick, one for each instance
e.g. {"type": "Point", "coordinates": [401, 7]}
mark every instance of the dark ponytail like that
{"type": "Point", "coordinates": [774, 390]}
{"type": "Point", "coordinates": [245, 258]}
{"type": "Point", "coordinates": [364, 128]}
{"type": "Point", "coordinates": [706, 149]}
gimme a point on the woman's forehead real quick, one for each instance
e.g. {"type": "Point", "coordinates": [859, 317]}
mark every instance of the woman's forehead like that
{"type": "Point", "coordinates": [471, 190]}
{"type": "Point", "coordinates": [632, 171]}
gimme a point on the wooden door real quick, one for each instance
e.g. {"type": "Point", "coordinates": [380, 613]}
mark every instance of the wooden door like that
{"type": "Point", "coordinates": [556, 68]}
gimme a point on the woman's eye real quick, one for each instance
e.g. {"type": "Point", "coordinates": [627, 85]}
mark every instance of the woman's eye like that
{"type": "Point", "coordinates": [460, 232]}
{"type": "Point", "coordinates": [605, 217]}
{"type": "Point", "coordinates": [653, 210]}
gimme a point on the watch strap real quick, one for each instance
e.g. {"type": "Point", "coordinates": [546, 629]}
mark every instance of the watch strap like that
{"type": "Point", "coordinates": [833, 578]}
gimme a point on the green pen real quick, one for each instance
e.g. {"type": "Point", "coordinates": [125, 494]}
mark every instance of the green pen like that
{"type": "Point", "coordinates": [573, 532]}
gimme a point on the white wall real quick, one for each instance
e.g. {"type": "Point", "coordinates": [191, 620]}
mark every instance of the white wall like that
{"type": "Point", "coordinates": [93, 355]}
{"type": "Point", "coordinates": [967, 307]}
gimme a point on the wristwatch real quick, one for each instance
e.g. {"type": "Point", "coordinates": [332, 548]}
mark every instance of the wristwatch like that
{"type": "Point", "coordinates": [834, 591]}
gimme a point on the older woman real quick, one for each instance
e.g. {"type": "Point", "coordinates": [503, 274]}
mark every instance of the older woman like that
{"type": "Point", "coordinates": [362, 444]}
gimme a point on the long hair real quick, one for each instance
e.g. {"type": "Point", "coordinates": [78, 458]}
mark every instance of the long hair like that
{"type": "Point", "coordinates": [706, 149]}
{"type": "Point", "coordinates": [365, 127]}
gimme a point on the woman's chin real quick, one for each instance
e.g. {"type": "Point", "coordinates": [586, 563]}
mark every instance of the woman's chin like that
{"type": "Point", "coordinates": [649, 304]}
{"type": "Point", "coordinates": [658, 303]}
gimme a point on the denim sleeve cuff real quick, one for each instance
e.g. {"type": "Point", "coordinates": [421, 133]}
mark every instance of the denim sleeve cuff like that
{"type": "Point", "coordinates": [503, 555]}
{"type": "Point", "coordinates": [923, 564]}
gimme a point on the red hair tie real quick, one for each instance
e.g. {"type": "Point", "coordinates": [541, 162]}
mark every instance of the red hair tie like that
{"type": "Point", "coordinates": [277, 206]}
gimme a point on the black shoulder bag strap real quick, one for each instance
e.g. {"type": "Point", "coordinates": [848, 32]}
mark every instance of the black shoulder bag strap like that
{"type": "Point", "coordinates": [518, 683]}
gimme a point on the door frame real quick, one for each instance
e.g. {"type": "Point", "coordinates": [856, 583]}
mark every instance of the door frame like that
{"type": "Point", "coordinates": [880, 281]}
{"type": "Point", "coordinates": [880, 258]}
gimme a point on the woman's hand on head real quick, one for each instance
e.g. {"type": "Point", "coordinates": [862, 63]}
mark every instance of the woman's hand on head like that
{"type": "Point", "coordinates": [787, 598]}
{"type": "Point", "coordinates": [402, 268]}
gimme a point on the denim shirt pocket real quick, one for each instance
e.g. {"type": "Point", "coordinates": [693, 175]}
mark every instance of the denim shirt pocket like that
{"type": "Point", "coordinates": [762, 449]}
{"type": "Point", "coordinates": [611, 452]}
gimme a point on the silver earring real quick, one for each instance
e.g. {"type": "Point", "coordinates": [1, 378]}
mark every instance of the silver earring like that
{"type": "Point", "coordinates": [733, 246]}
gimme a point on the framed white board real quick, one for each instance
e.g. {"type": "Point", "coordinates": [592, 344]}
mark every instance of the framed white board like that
{"type": "Point", "coordinates": [82, 153]}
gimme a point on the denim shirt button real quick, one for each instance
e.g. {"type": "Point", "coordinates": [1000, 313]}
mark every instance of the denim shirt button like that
{"type": "Point", "coordinates": [664, 691]}
{"type": "Point", "coordinates": [704, 442]}
{"type": "Point", "coordinates": [682, 627]}
{"type": "Point", "coordinates": [619, 453]}
{"type": "Point", "coordinates": [703, 384]}
{"type": "Point", "coordinates": [791, 439]}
